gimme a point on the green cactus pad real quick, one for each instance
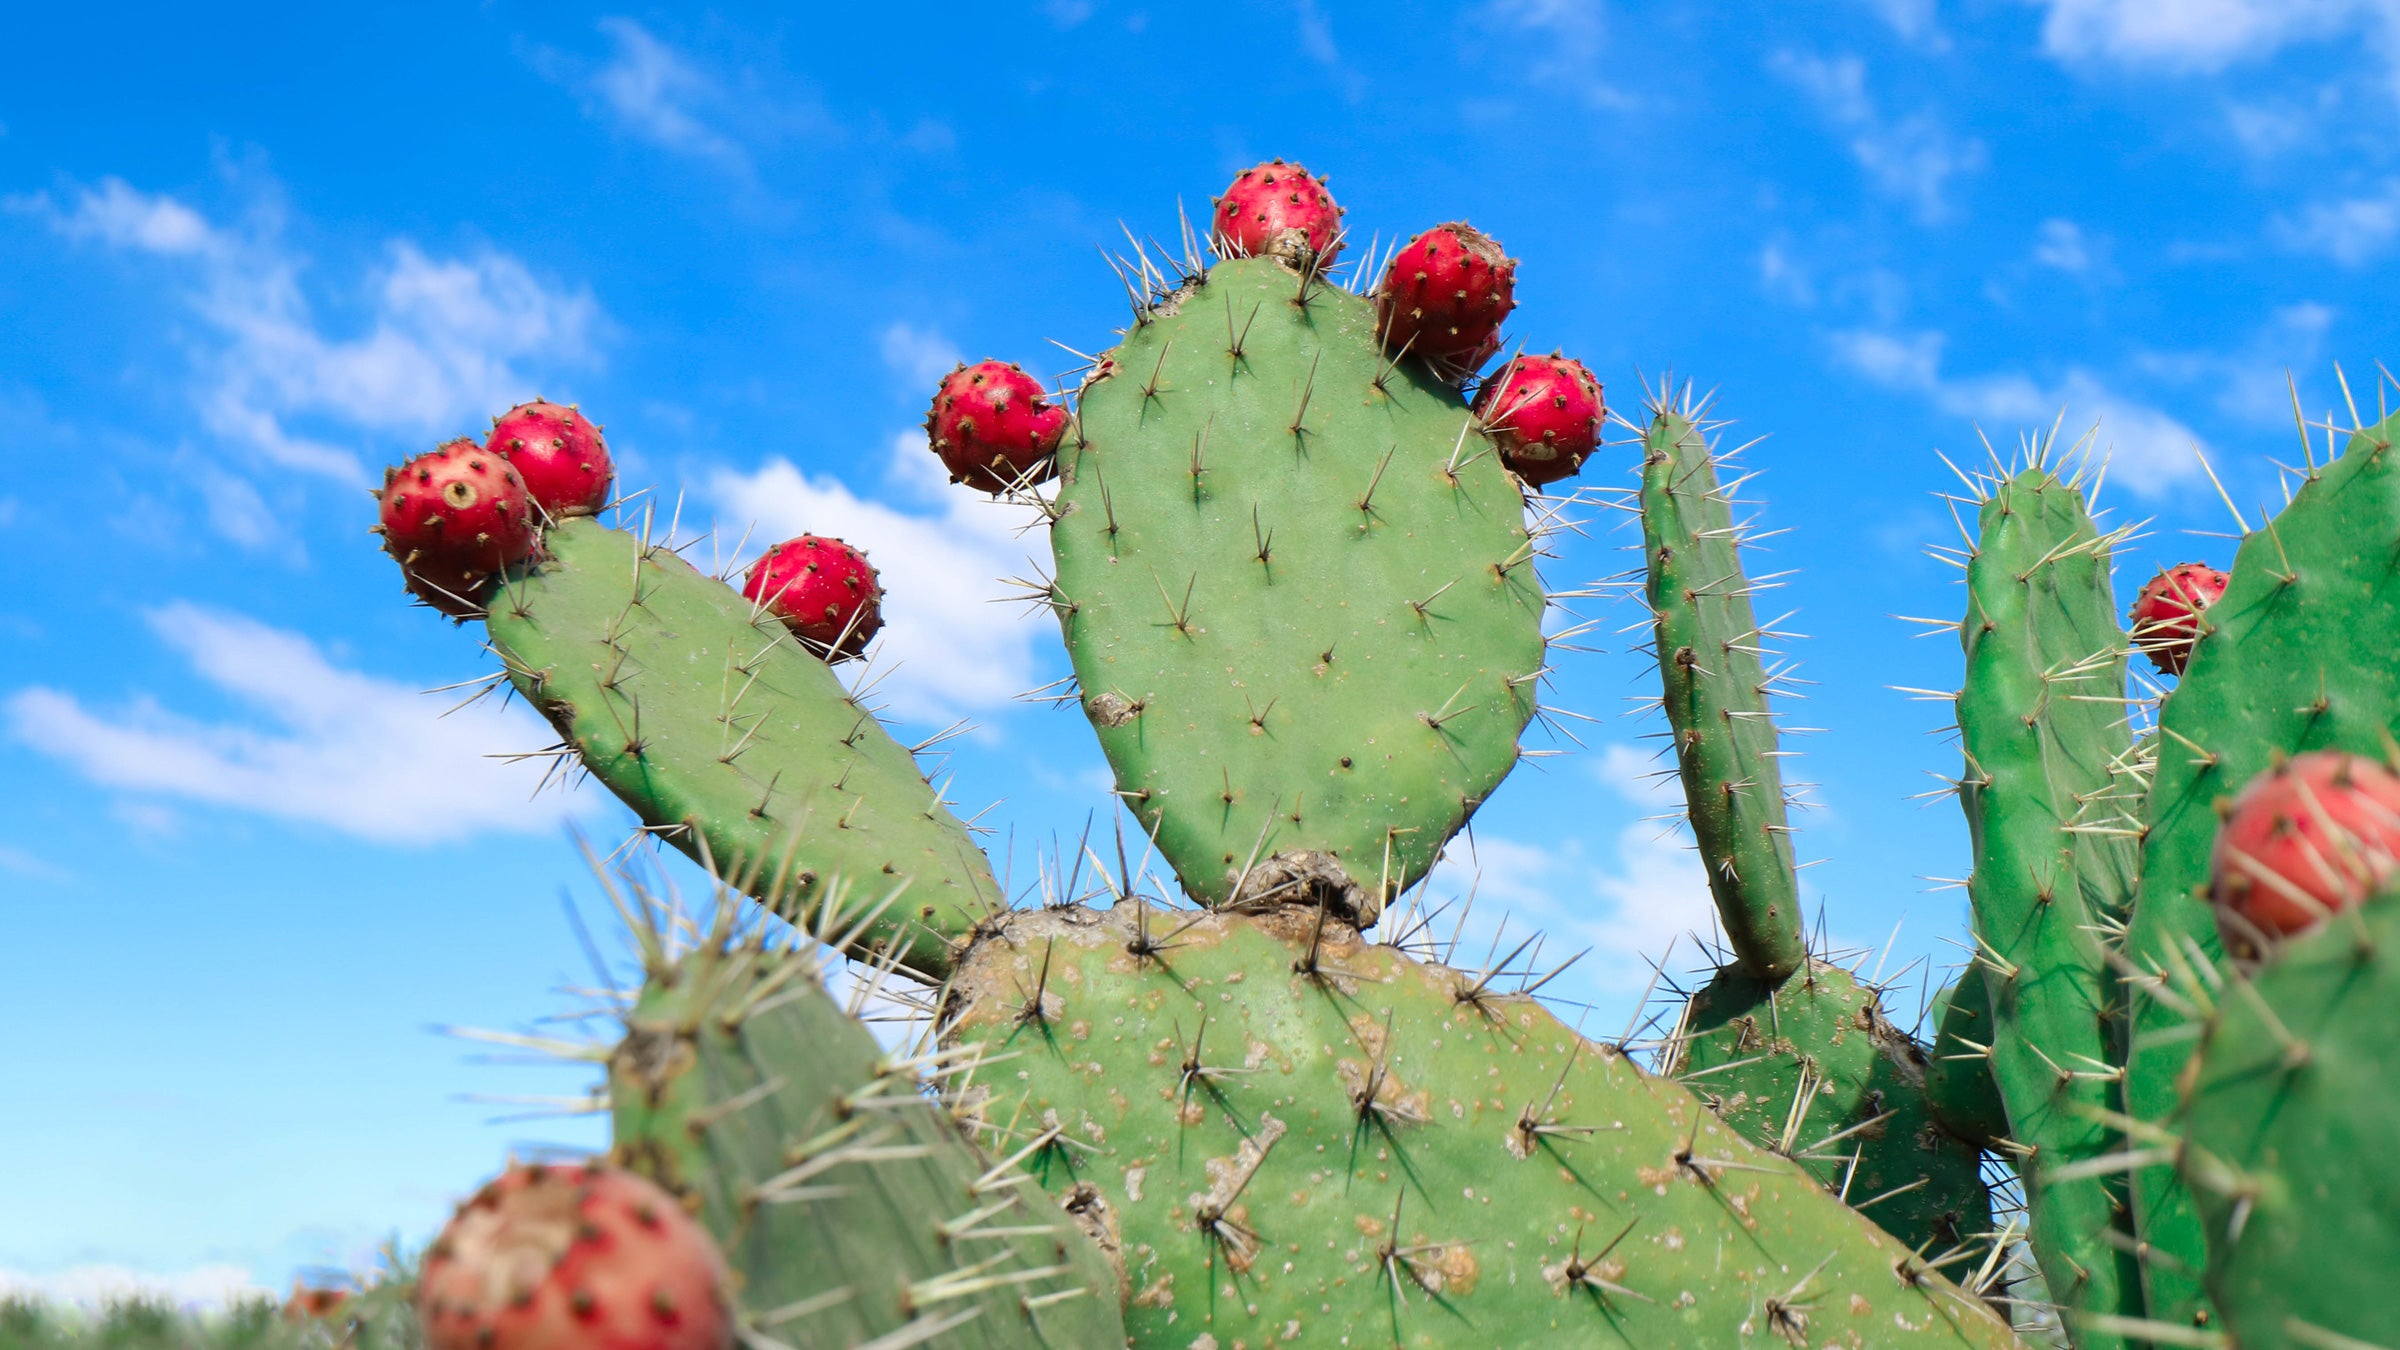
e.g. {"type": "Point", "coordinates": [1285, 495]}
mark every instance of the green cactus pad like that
{"type": "Point", "coordinates": [1813, 1070]}
{"type": "Point", "coordinates": [2042, 721]}
{"type": "Point", "coordinates": [1707, 640]}
{"type": "Point", "coordinates": [2296, 656]}
{"type": "Point", "coordinates": [734, 744]}
{"type": "Point", "coordinates": [850, 1203]}
{"type": "Point", "coordinates": [1297, 588]}
{"type": "Point", "coordinates": [1304, 1139]}
{"type": "Point", "coordinates": [2290, 1113]}
{"type": "Point", "coordinates": [1958, 1069]}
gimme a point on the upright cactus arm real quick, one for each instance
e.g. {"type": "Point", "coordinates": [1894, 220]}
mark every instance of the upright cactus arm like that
{"type": "Point", "coordinates": [2042, 719]}
{"type": "Point", "coordinates": [1958, 1070]}
{"type": "Point", "coordinates": [1716, 694]}
{"type": "Point", "coordinates": [732, 743]}
{"type": "Point", "coordinates": [851, 1203]}
{"type": "Point", "coordinates": [2297, 655]}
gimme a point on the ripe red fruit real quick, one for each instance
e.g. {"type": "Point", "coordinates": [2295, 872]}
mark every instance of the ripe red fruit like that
{"type": "Point", "coordinates": [994, 427]}
{"type": "Point", "coordinates": [822, 589]}
{"type": "Point", "coordinates": [560, 455]}
{"type": "Point", "coordinates": [2166, 615]}
{"type": "Point", "coordinates": [1545, 413]}
{"type": "Point", "coordinates": [2318, 834]}
{"type": "Point", "coordinates": [1278, 209]}
{"type": "Point", "coordinates": [454, 517]}
{"type": "Point", "coordinates": [1444, 296]}
{"type": "Point", "coordinates": [573, 1257]}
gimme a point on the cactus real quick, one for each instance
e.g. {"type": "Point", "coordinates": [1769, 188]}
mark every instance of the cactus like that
{"type": "Point", "coordinates": [2288, 1092]}
{"type": "Point", "coordinates": [2294, 657]}
{"type": "Point", "coordinates": [1299, 1132]}
{"type": "Point", "coordinates": [1295, 578]}
{"type": "Point", "coordinates": [698, 709]}
{"type": "Point", "coordinates": [2042, 723]}
{"type": "Point", "coordinates": [1296, 586]}
{"type": "Point", "coordinates": [743, 1087]}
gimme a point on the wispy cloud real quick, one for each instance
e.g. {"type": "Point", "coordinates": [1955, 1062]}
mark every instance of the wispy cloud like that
{"type": "Point", "coordinates": [1566, 40]}
{"type": "Point", "coordinates": [2353, 231]}
{"type": "Point", "coordinates": [445, 341]}
{"type": "Point", "coordinates": [655, 91]}
{"type": "Point", "coordinates": [2065, 246]}
{"type": "Point", "coordinates": [1628, 904]}
{"type": "Point", "coordinates": [1915, 22]}
{"type": "Point", "coordinates": [1912, 158]}
{"type": "Point", "coordinates": [2201, 36]}
{"type": "Point", "coordinates": [920, 357]}
{"type": "Point", "coordinates": [321, 744]}
{"type": "Point", "coordinates": [660, 95]}
{"type": "Point", "coordinates": [2148, 450]}
{"type": "Point", "coordinates": [1316, 39]}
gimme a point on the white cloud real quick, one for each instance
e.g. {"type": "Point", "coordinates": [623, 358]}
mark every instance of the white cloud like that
{"type": "Point", "coordinates": [1628, 907]}
{"type": "Point", "coordinates": [2352, 231]}
{"type": "Point", "coordinates": [919, 356]}
{"type": "Point", "coordinates": [2063, 245]}
{"type": "Point", "coordinates": [95, 1286]}
{"type": "Point", "coordinates": [2254, 382]}
{"type": "Point", "coordinates": [1783, 277]}
{"type": "Point", "coordinates": [2194, 35]}
{"type": "Point", "coordinates": [660, 95]}
{"type": "Point", "coordinates": [953, 638]}
{"type": "Point", "coordinates": [1914, 21]}
{"type": "Point", "coordinates": [2148, 451]}
{"type": "Point", "coordinates": [1567, 39]}
{"type": "Point", "coordinates": [324, 745]}
{"type": "Point", "coordinates": [1912, 158]}
{"type": "Point", "coordinates": [446, 341]}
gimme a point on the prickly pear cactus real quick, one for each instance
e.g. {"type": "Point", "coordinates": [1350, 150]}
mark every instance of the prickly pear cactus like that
{"type": "Point", "coordinates": [2288, 1091]}
{"type": "Point", "coordinates": [2042, 722]}
{"type": "Point", "coordinates": [2296, 656]}
{"type": "Point", "coordinates": [1302, 1136]}
{"type": "Point", "coordinates": [851, 1203]}
{"type": "Point", "coordinates": [1298, 590]}
{"type": "Point", "coordinates": [732, 743]}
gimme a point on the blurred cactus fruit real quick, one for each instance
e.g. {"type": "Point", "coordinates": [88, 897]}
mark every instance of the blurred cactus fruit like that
{"type": "Point", "coordinates": [1444, 297]}
{"type": "Point", "coordinates": [562, 1257]}
{"type": "Point", "coordinates": [995, 427]}
{"type": "Point", "coordinates": [2316, 835]}
{"type": "Point", "coordinates": [315, 1303]}
{"type": "Point", "coordinates": [1544, 412]}
{"type": "Point", "coordinates": [823, 590]}
{"type": "Point", "coordinates": [560, 455]}
{"type": "Point", "coordinates": [2166, 615]}
{"type": "Point", "coordinates": [1278, 209]}
{"type": "Point", "coordinates": [453, 518]}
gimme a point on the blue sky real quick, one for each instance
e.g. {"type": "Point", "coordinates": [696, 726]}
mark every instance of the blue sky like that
{"type": "Point", "coordinates": [244, 263]}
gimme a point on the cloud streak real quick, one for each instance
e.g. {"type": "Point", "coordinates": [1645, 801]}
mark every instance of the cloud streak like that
{"type": "Point", "coordinates": [321, 745]}
{"type": "Point", "coordinates": [1913, 158]}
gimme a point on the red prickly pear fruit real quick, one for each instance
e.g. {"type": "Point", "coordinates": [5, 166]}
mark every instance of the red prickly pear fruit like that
{"type": "Point", "coordinates": [823, 590]}
{"type": "Point", "coordinates": [995, 427]}
{"type": "Point", "coordinates": [1545, 414]}
{"type": "Point", "coordinates": [2166, 615]}
{"type": "Point", "coordinates": [1444, 296]}
{"type": "Point", "coordinates": [573, 1257]}
{"type": "Point", "coordinates": [2317, 834]}
{"type": "Point", "coordinates": [1278, 209]}
{"type": "Point", "coordinates": [453, 518]}
{"type": "Point", "coordinates": [559, 453]}
{"type": "Point", "coordinates": [309, 1304]}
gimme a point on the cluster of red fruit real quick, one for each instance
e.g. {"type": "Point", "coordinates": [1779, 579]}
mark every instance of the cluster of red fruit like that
{"type": "Point", "coordinates": [459, 515]}
{"type": "Point", "coordinates": [1442, 298]}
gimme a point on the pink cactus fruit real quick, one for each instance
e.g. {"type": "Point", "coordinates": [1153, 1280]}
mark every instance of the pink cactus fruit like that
{"type": "Point", "coordinates": [1278, 209]}
{"type": "Point", "coordinates": [2166, 615]}
{"type": "Point", "coordinates": [822, 589]}
{"type": "Point", "coordinates": [995, 427]}
{"type": "Point", "coordinates": [1545, 414]}
{"type": "Point", "coordinates": [2317, 834]}
{"type": "Point", "coordinates": [559, 453]}
{"type": "Point", "coordinates": [1444, 297]}
{"type": "Point", "coordinates": [454, 517]}
{"type": "Point", "coordinates": [573, 1257]}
